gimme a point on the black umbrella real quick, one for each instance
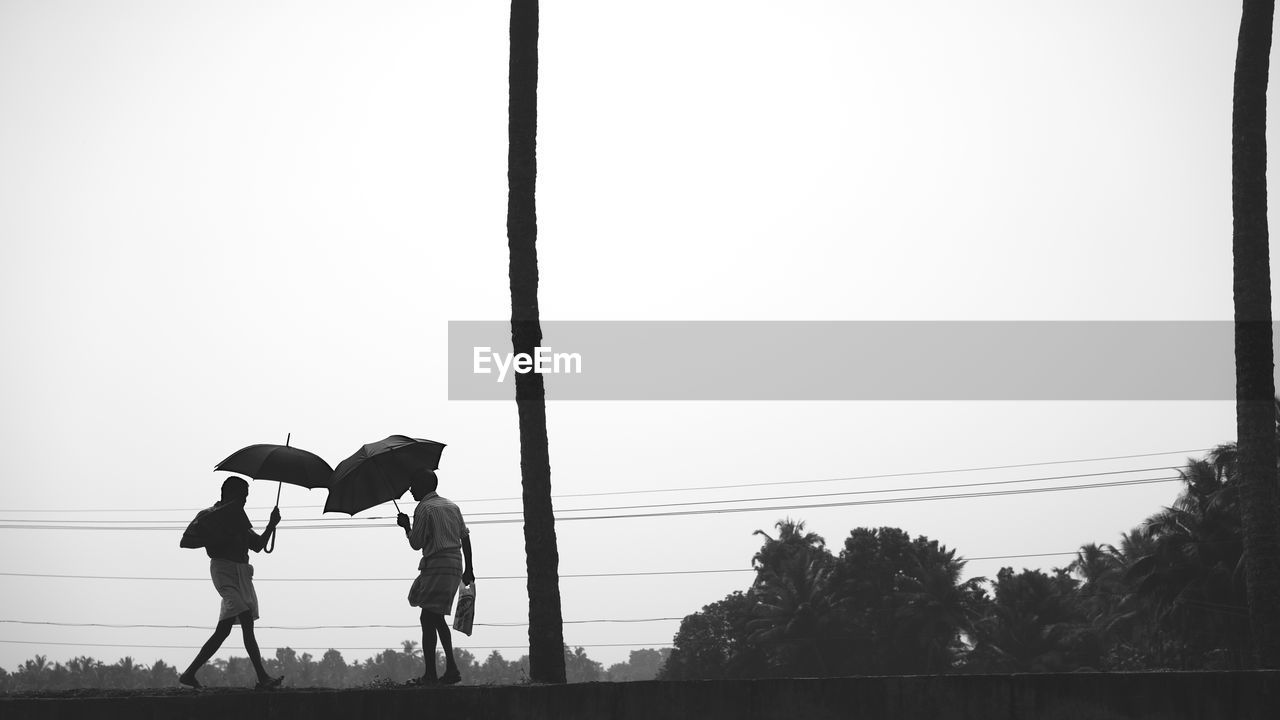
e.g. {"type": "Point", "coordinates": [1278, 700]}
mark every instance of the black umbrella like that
{"type": "Point", "coordinates": [282, 463]}
{"type": "Point", "coordinates": [379, 472]}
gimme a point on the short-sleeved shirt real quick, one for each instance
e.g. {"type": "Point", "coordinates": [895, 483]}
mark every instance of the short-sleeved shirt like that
{"type": "Point", "coordinates": [437, 525]}
{"type": "Point", "coordinates": [230, 537]}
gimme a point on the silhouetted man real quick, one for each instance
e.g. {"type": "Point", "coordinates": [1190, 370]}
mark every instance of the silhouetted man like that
{"type": "Point", "coordinates": [228, 537]}
{"type": "Point", "coordinates": [437, 530]}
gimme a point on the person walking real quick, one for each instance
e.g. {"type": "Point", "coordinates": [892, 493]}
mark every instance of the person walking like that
{"type": "Point", "coordinates": [227, 536]}
{"type": "Point", "coordinates": [440, 533]}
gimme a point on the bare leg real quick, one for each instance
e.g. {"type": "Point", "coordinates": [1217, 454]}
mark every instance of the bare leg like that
{"type": "Point", "coordinates": [429, 645]}
{"type": "Point", "coordinates": [451, 674]}
{"type": "Point", "coordinates": [220, 633]}
{"type": "Point", "coordinates": [251, 645]}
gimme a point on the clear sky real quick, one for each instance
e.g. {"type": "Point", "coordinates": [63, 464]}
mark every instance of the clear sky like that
{"type": "Point", "coordinates": [225, 222]}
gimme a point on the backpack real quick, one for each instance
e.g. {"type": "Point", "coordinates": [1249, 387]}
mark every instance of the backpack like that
{"type": "Point", "coordinates": [198, 532]}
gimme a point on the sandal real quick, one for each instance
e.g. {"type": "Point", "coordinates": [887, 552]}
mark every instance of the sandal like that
{"type": "Point", "coordinates": [190, 681]}
{"type": "Point", "coordinates": [271, 683]}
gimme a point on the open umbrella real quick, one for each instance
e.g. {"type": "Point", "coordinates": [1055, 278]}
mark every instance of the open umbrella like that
{"type": "Point", "coordinates": [281, 463]}
{"type": "Point", "coordinates": [379, 472]}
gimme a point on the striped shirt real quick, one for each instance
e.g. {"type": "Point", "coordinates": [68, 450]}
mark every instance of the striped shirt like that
{"type": "Point", "coordinates": [437, 526]}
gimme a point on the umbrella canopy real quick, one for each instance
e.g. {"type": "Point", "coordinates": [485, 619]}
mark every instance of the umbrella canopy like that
{"type": "Point", "coordinates": [379, 472]}
{"type": "Point", "coordinates": [280, 463]}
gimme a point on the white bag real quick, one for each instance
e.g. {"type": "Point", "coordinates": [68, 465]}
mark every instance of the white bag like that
{"type": "Point", "coordinates": [466, 612]}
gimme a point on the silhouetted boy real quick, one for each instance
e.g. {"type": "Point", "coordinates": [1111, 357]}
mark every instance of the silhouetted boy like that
{"type": "Point", "coordinates": [437, 530]}
{"type": "Point", "coordinates": [228, 537]}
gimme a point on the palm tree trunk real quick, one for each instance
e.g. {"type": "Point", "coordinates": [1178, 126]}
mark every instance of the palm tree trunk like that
{"type": "Point", "coordinates": [1255, 383]}
{"type": "Point", "coordinates": [542, 559]}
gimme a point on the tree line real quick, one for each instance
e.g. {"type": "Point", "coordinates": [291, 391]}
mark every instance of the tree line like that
{"type": "Point", "coordinates": [331, 670]}
{"type": "Point", "coordinates": [1170, 595]}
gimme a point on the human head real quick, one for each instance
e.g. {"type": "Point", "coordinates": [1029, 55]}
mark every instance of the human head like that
{"type": "Point", "coordinates": [424, 481]}
{"type": "Point", "coordinates": [235, 489]}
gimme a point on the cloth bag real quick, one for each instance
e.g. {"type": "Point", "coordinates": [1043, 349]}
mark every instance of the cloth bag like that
{"type": "Point", "coordinates": [200, 531]}
{"type": "Point", "coordinates": [466, 611]}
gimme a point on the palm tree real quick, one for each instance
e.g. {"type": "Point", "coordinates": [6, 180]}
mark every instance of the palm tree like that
{"type": "Point", "coordinates": [1255, 384]}
{"type": "Point", "coordinates": [792, 540]}
{"type": "Point", "coordinates": [936, 605]}
{"type": "Point", "coordinates": [898, 605]}
{"type": "Point", "coordinates": [1034, 624]}
{"type": "Point", "coordinates": [86, 671]}
{"type": "Point", "coordinates": [1189, 576]}
{"type": "Point", "coordinates": [792, 592]}
{"type": "Point", "coordinates": [542, 559]}
{"type": "Point", "coordinates": [1122, 621]}
{"type": "Point", "coordinates": [33, 672]}
{"type": "Point", "coordinates": [791, 613]}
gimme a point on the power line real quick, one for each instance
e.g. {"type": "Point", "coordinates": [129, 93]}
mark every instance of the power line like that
{"type": "Point", "coordinates": [887, 475]}
{"type": "Point", "coordinates": [851, 492]}
{"type": "Point", "coordinates": [319, 648]}
{"type": "Point", "coordinates": [682, 489]}
{"type": "Point", "coordinates": [1014, 557]}
{"type": "Point", "coordinates": [117, 626]}
{"type": "Point", "coordinates": [362, 579]}
{"type": "Point", "coordinates": [674, 513]}
{"type": "Point", "coordinates": [883, 501]}
{"type": "Point", "coordinates": [690, 503]}
{"type": "Point", "coordinates": [1232, 610]}
{"type": "Point", "coordinates": [647, 573]}
{"type": "Point", "coordinates": [415, 626]}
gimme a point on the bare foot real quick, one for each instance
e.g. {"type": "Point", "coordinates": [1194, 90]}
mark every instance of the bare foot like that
{"type": "Point", "coordinates": [451, 677]}
{"type": "Point", "coordinates": [269, 683]}
{"type": "Point", "coordinates": [190, 681]}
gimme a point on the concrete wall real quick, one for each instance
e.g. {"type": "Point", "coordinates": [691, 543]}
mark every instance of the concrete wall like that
{"type": "Point", "coordinates": [1077, 696]}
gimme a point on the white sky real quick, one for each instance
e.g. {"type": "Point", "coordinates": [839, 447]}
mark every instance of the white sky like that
{"type": "Point", "coordinates": [225, 222]}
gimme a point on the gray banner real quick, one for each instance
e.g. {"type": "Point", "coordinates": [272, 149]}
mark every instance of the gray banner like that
{"type": "Point", "coordinates": [819, 360]}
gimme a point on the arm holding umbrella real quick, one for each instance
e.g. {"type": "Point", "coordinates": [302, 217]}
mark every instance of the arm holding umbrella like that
{"type": "Point", "coordinates": [228, 524]}
{"type": "Point", "coordinates": [415, 531]}
{"type": "Point", "coordinates": [258, 542]}
{"type": "Point", "coordinates": [284, 464]}
{"type": "Point", "coordinates": [403, 521]}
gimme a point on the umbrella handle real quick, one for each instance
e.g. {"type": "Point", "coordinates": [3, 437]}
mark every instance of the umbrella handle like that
{"type": "Point", "coordinates": [271, 541]}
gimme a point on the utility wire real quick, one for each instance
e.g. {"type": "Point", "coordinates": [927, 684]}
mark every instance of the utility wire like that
{"type": "Point", "coordinates": [319, 627]}
{"type": "Point", "coordinates": [196, 647]}
{"type": "Point", "coordinates": [716, 511]}
{"type": "Point", "coordinates": [1205, 604]}
{"type": "Point", "coordinates": [681, 489]}
{"type": "Point", "coordinates": [499, 577]}
{"type": "Point", "coordinates": [1217, 608]}
{"type": "Point", "coordinates": [1230, 609]}
{"type": "Point", "coordinates": [682, 504]}
{"type": "Point", "coordinates": [366, 579]}
{"type": "Point", "coordinates": [850, 492]}
{"type": "Point", "coordinates": [853, 503]}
